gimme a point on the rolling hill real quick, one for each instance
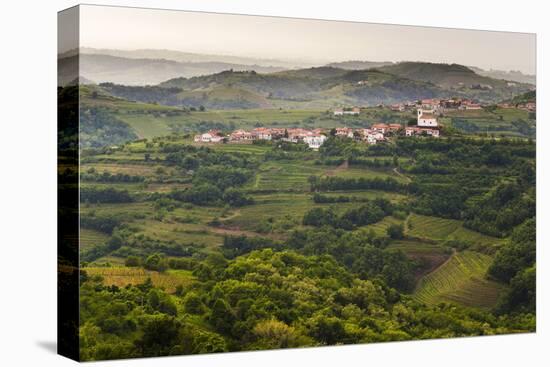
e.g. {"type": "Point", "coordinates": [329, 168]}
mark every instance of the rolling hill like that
{"type": "Point", "coordinates": [458, 78]}
{"type": "Point", "coordinates": [513, 75]}
{"type": "Point", "coordinates": [324, 87]}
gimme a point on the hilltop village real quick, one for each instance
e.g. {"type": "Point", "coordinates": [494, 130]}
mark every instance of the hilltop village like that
{"type": "Point", "coordinates": [427, 125]}
{"type": "Point", "coordinates": [427, 111]}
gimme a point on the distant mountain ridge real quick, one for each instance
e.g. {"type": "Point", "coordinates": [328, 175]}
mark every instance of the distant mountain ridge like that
{"type": "Point", "coordinates": [512, 75]}
{"type": "Point", "coordinates": [185, 57]}
{"type": "Point", "coordinates": [133, 71]}
{"type": "Point", "coordinates": [359, 65]}
{"type": "Point", "coordinates": [222, 85]}
{"type": "Point", "coordinates": [459, 79]}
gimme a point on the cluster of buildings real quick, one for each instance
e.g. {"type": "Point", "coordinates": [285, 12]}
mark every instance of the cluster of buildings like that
{"type": "Point", "coordinates": [313, 138]}
{"type": "Point", "coordinates": [427, 124]}
{"type": "Point", "coordinates": [440, 105]}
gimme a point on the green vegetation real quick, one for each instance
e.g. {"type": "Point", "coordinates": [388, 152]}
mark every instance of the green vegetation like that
{"type": "Point", "coordinates": [197, 248]}
{"type": "Point", "coordinates": [263, 300]}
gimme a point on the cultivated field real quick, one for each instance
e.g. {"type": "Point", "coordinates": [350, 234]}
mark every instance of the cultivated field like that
{"type": "Point", "coordinates": [462, 279]}
{"type": "Point", "coordinates": [123, 276]}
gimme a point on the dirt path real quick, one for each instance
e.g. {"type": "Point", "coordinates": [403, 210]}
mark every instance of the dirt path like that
{"type": "Point", "coordinates": [236, 213]}
{"type": "Point", "coordinates": [396, 171]}
{"type": "Point", "coordinates": [342, 167]}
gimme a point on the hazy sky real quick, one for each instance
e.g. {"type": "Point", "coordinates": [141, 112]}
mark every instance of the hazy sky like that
{"type": "Point", "coordinates": [301, 39]}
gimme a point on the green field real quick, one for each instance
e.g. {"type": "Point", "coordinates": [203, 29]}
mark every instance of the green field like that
{"type": "Point", "coordinates": [462, 280]}
{"type": "Point", "coordinates": [501, 121]}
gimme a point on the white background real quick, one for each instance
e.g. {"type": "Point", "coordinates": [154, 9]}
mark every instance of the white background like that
{"type": "Point", "coordinates": [28, 182]}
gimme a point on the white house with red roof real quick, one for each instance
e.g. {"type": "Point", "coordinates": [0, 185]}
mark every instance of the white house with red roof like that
{"type": "Point", "coordinates": [212, 136]}
{"type": "Point", "coordinates": [426, 118]}
{"type": "Point", "coordinates": [381, 127]}
{"type": "Point", "coordinates": [241, 135]}
{"type": "Point", "coordinates": [314, 141]}
{"type": "Point", "coordinates": [262, 133]}
{"type": "Point", "coordinates": [344, 132]}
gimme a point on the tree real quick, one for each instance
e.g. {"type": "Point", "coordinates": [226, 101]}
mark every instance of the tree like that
{"type": "Point", "coordinates": [155, 262]}
{"type": "Point", "coordinates": [327, 330]}
{"type": "Point", "coordinates": [270, 334]}
{"type": "Point", "coordinates": [521, 296]}
{"type": "Point", "coordinates": [193, 304]}
{"type": "Point", "coordinates": [221, 317]}
{"type": "Point", "coordinates": [132, 261]}
{"type": "Point", "coordinates": [519, 254]}
{"type": "Point", "coordinates": [395, 231]}
{"type": "Point", "coordinates": [160, 333]}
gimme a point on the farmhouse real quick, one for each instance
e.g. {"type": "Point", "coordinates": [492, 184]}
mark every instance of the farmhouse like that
{"type": "Point", "coordinates": [426, 118]}
{"type": "Point", "coordinates": [212, 136]}
{"type": "Point", "coordinates": [262, 133]}
{"type": "Point", "coordinates": [415, 130]}
{"type": "Point", "coordinates": [354, 111]}
{"type": "Point", "coordinates": [430, 103]}
{"type": "Point", "coordinates": [469, 105]}
{"type": "Point", "coordinates": [241, 135]}
{"type": "Point", "coordinates": [398, 107]}
{"type": "Point", "coordinates": [314, 141]}
{"type": "Point", "coordinates": [371, 136]}
{"type": "Point", "coordinates": [395, 127]}
{"type": "Point", "coordinates": [347, 111]}
{"type": "Point", "coordinates": [344, 132]}
{"type": "Point", "coordinates": [381, 127]}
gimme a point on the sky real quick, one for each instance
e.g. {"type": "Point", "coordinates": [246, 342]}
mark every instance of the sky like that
{"type": "Point", "coordinates": [314, 41]}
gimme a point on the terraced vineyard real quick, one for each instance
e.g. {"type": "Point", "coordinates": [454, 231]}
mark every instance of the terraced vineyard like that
{"type": "Point", "coordinates": [462, 280]}
{"type": "Point", "coordinates": [90, 238]}
{"type": "Point", "coordinates": [285, 176]}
